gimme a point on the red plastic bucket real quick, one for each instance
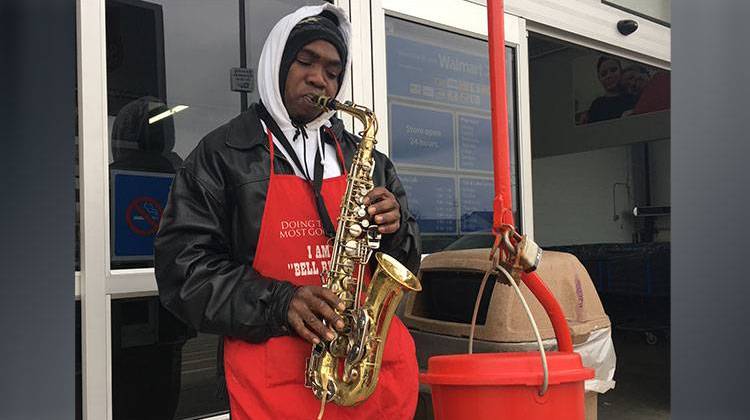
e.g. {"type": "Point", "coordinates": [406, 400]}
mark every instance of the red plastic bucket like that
{"type": "Point", "coordinates": [506, 386]}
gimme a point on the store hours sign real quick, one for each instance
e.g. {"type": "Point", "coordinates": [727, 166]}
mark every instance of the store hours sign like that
{"type": "Point", "coordinates": [422, 136]}
{"type": "Point", "coordinates": [440, 128]}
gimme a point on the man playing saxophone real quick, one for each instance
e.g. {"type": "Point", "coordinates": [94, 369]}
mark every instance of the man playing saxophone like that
{"type": "Point", "coordinates": [247, 231]}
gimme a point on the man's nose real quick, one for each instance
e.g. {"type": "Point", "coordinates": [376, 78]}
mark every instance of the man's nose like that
{"type": "Point", "coordinates": [316, 77]}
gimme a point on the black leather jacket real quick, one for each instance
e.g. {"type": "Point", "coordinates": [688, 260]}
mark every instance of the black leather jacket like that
{"type": "Point", "coordinates": [206, 243]}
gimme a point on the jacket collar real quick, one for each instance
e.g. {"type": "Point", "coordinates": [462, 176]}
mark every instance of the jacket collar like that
{"type": "Point", "coordinates": [246, 130]}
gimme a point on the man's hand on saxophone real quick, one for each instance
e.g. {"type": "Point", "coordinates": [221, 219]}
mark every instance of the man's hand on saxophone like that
{"type": "Point", "coordinates": [383, 209]}
{"type": "Point", "coordinates": [309, 306]}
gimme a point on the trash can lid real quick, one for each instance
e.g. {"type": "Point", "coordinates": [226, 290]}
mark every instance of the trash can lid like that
{"type": "Point", "coordinates": [504, 369]}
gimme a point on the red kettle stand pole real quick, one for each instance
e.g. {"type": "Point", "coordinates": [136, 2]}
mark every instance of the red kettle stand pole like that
{"type": "Point", "coordinates": [503, 213]}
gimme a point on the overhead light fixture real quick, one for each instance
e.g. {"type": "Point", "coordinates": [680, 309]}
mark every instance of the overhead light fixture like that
{"type": "Point", "coordinates": [652, 211]}
{"type": "Point", "coordinates": [167, 113]}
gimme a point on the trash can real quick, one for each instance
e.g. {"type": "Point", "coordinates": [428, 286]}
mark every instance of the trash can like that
{"type": "Point", "coordinates": [439, 317]}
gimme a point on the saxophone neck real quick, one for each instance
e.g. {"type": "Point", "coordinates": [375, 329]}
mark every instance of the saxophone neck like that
{"type": "Point", "coordinates": [363, 114]}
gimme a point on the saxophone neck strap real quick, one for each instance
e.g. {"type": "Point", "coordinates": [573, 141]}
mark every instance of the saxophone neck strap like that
{"type": "Point", "coordinates": [316, 182]}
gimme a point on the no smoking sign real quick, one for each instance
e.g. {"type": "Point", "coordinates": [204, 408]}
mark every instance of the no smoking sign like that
{"type": "Point", "coordinates": [139, 199]}
{"type": "Point", "coordinates": [143, 215]}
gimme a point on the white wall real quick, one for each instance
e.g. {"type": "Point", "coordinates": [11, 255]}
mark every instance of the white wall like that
{"type": "Point", "coordinates": [573, 197]}
{"type": "Point", "coordinates": [574, 201]}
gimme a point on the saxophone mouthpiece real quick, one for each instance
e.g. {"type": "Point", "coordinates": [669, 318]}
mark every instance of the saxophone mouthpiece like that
{"type": "Point", "coordinates": [326, 103]}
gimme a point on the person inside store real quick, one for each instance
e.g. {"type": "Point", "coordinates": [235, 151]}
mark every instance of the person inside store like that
{"type": "Point", "coordinates": [615, 101]}
{"type": "Point", "coordinates": [247, 231]}
{"type": "Point", "coordinates": [634, 79]}
{"type": "Point", "coordinates": [655, 95]}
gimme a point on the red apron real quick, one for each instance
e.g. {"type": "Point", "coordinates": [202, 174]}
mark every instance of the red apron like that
{"type": "Point", "coordinates": [266, 381]}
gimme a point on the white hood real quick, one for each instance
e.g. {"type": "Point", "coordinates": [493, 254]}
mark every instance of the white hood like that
{"type": "Point", "coordinates": [270, 63]}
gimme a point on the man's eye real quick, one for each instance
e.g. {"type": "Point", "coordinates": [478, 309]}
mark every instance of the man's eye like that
{"type": "Point", "coordinates": [303, 62]}
{"type": "Point", "coordinates": [332, 75]}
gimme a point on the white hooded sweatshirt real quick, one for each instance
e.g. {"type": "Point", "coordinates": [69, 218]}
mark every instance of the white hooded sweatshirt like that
{"type": "Point", "coordinates": [268, 88]}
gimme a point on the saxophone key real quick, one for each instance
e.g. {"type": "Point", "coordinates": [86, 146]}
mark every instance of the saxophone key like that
{"type": "Point", "coordinates": [351, 248]}
{"type": "Point", "coordinates": [373, 237]}
{"type": "Point", "coordinates": [338, 347]}
{"type": "Point", "coordinates": [355, 230]}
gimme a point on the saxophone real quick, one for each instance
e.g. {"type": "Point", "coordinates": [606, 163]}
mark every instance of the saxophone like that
{"type": "Point", "coordinates": [359, 347]}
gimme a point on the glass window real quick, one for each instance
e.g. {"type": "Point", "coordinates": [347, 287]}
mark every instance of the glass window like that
{"type": "Point", "coordinates": [440, 131]}
{"type": "Point", "coordinates": [77, 180]}
{"type": "Point", "coordinates": [160, 368]}
{"type": "Point", "coordinates": [77, 260]}
{"type": "Point", "coordinates": [168, 85]}
{"type": "Point", "coordinates": [79, 364]}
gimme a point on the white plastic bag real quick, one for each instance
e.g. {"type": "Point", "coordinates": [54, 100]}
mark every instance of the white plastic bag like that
{"type": "Point", "coordinates": [598, 353]}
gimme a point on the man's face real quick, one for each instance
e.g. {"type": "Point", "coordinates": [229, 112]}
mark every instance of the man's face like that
{"type": "Point", "coordinates": [628, 81]}
{"type": "Point", "coordinates": [609, 75]}
{"type": "Point", "coordinates": [633, 81]}
{"type": "Point", "coordinates": [314, 71]}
